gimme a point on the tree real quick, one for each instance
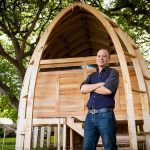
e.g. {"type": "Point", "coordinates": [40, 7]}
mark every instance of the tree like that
{"type": "Point", "coordinates": [22, 23]}
{"type": "Point", "coordinates": [134, 17]}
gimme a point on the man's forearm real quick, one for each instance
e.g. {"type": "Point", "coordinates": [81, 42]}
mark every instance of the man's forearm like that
{"type": "Point", "coordinates": [102, 90]}
{"type": "Point", "coordinates": [87, 88]}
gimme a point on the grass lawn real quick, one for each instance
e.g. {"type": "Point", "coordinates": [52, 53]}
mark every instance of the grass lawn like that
{"type": "Point", "coordinates": [9, 143]}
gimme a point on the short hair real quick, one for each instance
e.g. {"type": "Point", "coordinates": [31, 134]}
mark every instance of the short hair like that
{"type": "Point", "coordinates": [104, 49]}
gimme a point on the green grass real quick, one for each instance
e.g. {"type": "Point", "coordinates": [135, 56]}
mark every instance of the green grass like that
{"type": "Point", "coordinates": [9, 143]}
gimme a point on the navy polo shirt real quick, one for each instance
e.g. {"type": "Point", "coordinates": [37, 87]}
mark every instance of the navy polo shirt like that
{"type": "Point", "coordinates": [111, 78]}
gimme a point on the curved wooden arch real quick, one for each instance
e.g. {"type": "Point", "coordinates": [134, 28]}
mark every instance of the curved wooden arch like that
{"type": "Point", "coordinates": [117, 37]}
{"type": "Point", "coordinates": [125, 73]}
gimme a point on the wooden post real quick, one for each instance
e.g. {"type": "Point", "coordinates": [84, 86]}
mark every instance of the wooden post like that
{"type": "Point", "coordinates": [29, 110]}
{"type": "Point", "coordinates": [35, 137]}
{"type": "Point", "coordinates": [22, 110]}
{"type": "Point", "coordinates": [42, 137]}
{"type": "Point", "coordinates": [71, 139]}
{"type": "Point", "coordinates": [58, 145]}
{"type": "Point", "coordinates": [48, 136]}
{"type": "Point", "coordinates": [55, 136]}
{"type": "Point", "coordinates": [64, 134]}
{"type": "Point", "coordinates": [140, 78]}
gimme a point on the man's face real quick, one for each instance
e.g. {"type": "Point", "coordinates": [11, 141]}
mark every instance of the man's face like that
{"type": "Point", "coordinates": [102, 58]}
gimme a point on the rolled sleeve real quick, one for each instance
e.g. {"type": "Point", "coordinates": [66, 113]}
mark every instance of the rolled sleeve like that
{"type": "Point", "coordinates": [87, 81]}
{"type": "Point", "coordinates": [112, 81]}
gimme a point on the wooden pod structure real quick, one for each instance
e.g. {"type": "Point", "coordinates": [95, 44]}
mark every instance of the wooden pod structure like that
{"type": "Point", "coordinates": [63, 58]}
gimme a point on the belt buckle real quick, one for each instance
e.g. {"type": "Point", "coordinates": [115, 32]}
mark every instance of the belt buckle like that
{"type": "Point", "coordinates": [92, 111]}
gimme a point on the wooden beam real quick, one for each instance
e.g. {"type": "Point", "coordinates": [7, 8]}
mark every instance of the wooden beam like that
{"type": "Point", "coordinates": [139, 91]}
{"type": "Point", "coordinates": [64, 134]}
{"type": "Point", "coordinates": [29, 110]}
{"type": "Point", "coordinates": [59, 130]}
{"type": "Point", "coordinates": [71, 139]}
{"type": "Point", "coordinates": [46, 121]}
{"type": "Point", "coordinates": [142, 87]}
{"type": "Point", "coordinates": [130, 55]}
{"type": "Point", "coordinates": [22, 110]}
{"type": "Point", "coordinates": [48, 137]}
{"type": "Point", "coordinates": [42, 137]}
{"type": "Point", "coordinates": [114, 59]}
{"type": "Point", "coordinates": [35, 136]}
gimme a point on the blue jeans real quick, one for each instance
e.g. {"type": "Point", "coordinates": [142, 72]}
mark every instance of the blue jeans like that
{"type": "Point", "coordinates": [100, 124]}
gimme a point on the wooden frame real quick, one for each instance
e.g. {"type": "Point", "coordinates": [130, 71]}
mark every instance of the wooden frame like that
{"type": "Point", "coordinates": [125, 57]}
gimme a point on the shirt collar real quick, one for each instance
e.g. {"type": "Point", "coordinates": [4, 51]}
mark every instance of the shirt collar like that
{"type": "Point", "coordinates": [104, 69]}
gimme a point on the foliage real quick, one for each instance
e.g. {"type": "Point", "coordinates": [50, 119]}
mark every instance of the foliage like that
{"type": "Point", "coordinates": [134, 17]}
{"type": "Point", "coordinates": [22, 23]}
{"type": "Point", "coordinates": [6, 110]}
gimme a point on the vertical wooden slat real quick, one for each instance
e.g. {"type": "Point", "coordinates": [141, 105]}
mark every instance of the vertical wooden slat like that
{"type": "Point", "coordinates": [57, 94]}
{"type": "Point", "coordinates": [29, 110]}
{"type": "Point", "coordinates": [22, 110]}
{"type": "Point", "coordinates": [42, 137]}
{"type": "Point", "coordinates": [64, 134]}
{"type": "Point", "coordinates": [48, 136]}
{"type": "Point", "coordinates": [55, 136]}
{"type": "Point", "coordinates": [71, 139]}
{"type": "Point", "coordinates": [59, 128]}
{"type": "Point", "coordinates": [35, 137]}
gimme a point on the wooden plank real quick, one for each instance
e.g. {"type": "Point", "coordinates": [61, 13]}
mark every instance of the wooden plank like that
{"type": "Point", "coordinates": [22, 109]}
{"type": "Point", "coordinates": [46, 34]}
{"type": "Point", "coordinates": [65, 96]}
{"type": "Point", "coordinates": [131, 52]}
{"type": "Point", "coordinates": [71, 139]}
{"type": "Point", "coordinates": [35, 137]}
{"type": "Point", "coordinates": [46, 121]}
{"type": "Point", "coordinates": [72, 43]}
{"type": "Point", "coordinates": [57, 96]}
{"type": "Point", "coordinates": [29, 110]}
{"type": "Point", "coordinates": [44, 108]}
{"type": "Point", "coordinates": [78, 60]}
{"type": "Point", "coordinates": [60, 114]}
{"type": "Point", "coordinates": [145, 72]}
{"type": "Point", "coordinates": [42, 137]}
{"type": "Point", "coordinates": [48, 137]}
{"type": "Point", "coordinates": [57, 65]}
{"type": "Point", "coordinates": [59, 128]}
{"type": "Point", "coordinates": [64, 134]}
{"type": "Point", "coordinates": [130, 55]}
{"type": "Point", "coordinates": [141, 83]}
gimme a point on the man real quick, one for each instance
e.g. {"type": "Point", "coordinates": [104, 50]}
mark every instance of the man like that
{"type": "Point", "coordinates": [100, 120]}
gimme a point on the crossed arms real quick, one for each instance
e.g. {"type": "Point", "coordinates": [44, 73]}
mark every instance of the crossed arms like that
{"type": "Point", "coordinates": [97, 88]}
{"type": "Point", "coordinates": [105, 88]}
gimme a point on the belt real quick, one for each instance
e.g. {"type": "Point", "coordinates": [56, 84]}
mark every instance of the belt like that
{"type": "Point", "coordinates": [95, 111]}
